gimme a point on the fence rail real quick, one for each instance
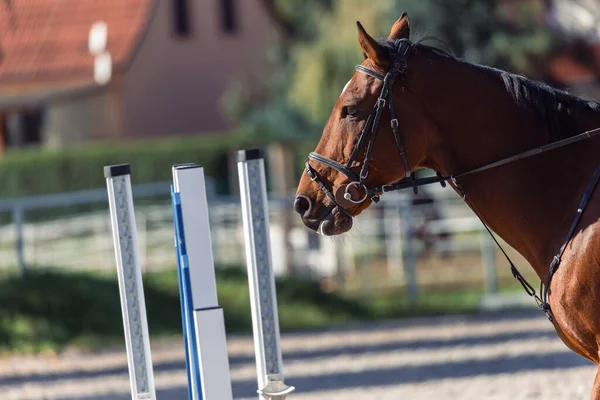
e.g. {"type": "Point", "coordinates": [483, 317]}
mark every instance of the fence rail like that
{"type": "Point", "coordinates": [431, 239]}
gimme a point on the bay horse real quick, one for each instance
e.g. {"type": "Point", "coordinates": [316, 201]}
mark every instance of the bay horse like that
{"type": "Point", "coordinates": [512, 148]}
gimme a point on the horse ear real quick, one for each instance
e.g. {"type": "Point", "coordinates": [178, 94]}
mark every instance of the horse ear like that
{"type": "Point", "coordinates": [373, 50]}
{"type": "Point", "coordinates": [401, 28]}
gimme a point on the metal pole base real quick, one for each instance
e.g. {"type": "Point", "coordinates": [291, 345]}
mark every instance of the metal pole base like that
{"type": "Point", "coordinates": [276, 389]}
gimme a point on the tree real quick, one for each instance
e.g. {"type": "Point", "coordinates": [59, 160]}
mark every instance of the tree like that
{"type": "Point", "coordinates": [317, 60]}
{"type": "Point", "coordinates": [295, 17]}
{"type": "Point", "coordinates": [480, 31]}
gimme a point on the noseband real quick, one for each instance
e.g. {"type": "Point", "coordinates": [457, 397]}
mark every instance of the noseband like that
{"type": "Point", "coordinates": [349, 194]}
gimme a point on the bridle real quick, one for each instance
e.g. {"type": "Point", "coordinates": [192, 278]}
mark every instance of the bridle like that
{"type": "Point", "coordinates": [344, 195]}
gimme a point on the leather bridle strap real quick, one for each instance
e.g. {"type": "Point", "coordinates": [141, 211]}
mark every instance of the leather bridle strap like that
{"type": "Point", "coordinates": [587, 194]}
{"type": "Point", "coordinates": [377, 111]}
{"type": "Point", "coordinates": [404, 184]}
{"type": "Point", "coordinates": [542, 299]}
{"type": "Point", "coordinates": [370, 72]}
{"type": "Point", "coordinates": [397, 139]}
{"type": "Point", "coordinates": [370, 128]}
{"type": "Point", "coordinates": [312, 174]}
{"type": "Point", "coordinates": [411, 183]}
{"type": "Point", "coordinates": [533, 152]}
{"type": "Point", "coordinates": [332, 164]}
{"type": "Point", "coordinates": [361, 140]}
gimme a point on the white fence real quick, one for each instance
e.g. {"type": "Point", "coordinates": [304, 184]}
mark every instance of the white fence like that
{"type": "Point", "coordinates": [406, 241]}
{"type": "Point", "coordinates": [82, 240]}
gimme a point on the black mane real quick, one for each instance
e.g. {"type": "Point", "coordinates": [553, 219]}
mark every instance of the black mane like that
{"type": "Point", "coordinates": [557, 109]}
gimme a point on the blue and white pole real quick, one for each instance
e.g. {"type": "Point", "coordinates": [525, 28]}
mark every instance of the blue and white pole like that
{"type": "Point", "coordinates": [263, 298]}
{"type": "Point", "coordinates": [133, 306]}
{"type": "Point", "coordinates": [203, 321]}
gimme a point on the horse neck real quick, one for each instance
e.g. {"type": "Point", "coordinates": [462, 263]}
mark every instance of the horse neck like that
{"type": "Point", "coordinates": [529, 203]}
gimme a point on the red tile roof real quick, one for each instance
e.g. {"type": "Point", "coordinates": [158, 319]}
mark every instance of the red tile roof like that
{"type": "Point", "coordinates": [47, 40]}
{"type": "Point", "coordinates": [567, 71]}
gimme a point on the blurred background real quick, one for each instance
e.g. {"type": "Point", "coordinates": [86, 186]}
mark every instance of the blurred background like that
{"type": "Point", "coordinates": [153, 83]}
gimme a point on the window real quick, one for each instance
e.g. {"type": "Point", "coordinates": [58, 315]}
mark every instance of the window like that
{"type": "Point", "coordinates": [22, 128]}
{"type": "Point", "coordinates": [181, 18]}
{"type": "Point", "coordinates": [229, 23]}
{"type": "Point", "coordinates": [32, 126]}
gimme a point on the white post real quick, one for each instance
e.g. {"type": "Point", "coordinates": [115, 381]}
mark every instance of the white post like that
{"type": "Point", "coordinates": [392, 224]}
{"type": "Point", "coordinates": [203, 320]}
{"type": "Point", "coordinates": [143, 247]}
{"type": "Point", "coordinates": [488, 258]}
{"type": "Point", "coordinates": [133, 306]}
{"type": "Point", "coordinates": [18, 219]}
{"type": "Point", "coordinates": [263, 298]}
{"type": "Point", "coordinates": [410, 259]}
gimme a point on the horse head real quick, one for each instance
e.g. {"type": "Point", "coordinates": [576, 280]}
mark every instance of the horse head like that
{"type": "Point", "coordinates": [376, 135]}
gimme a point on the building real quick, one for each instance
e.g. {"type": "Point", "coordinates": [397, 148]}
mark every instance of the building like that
{"type": "Point", "coordinates": [172, 61]}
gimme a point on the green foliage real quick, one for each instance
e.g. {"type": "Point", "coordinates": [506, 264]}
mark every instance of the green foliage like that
{"type": "Point", "coordinates": [508, 36]}
{"type": "Point", "coordinates": [324, 66]}
{"type": "Point", "coordinates": [276, 121]}
{"type": "Point", "coordinates": [46, 310]}
{"type": "Point", "coordinates": [477, 30]}
{"type": "Point", "coordinates": [52, 310]}
{"type": "Point", "coordinates": [299, 15]}
{"type": "Point", "coordinates": [310, 71]}
{"type": "Point", "coordinates": [40, 171]}
{"type": "Point", "coordinates": [31, 172]}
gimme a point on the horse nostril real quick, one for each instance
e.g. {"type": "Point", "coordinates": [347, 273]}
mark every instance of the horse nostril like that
{"type": "Point", "coordinates": [302, 204]}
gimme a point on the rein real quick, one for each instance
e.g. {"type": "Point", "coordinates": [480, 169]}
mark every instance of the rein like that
{"type": "Point", "coordinates": [348, 195]}
{"type": "Point", "coordinates": [403, 184]}
{"type": "Point", "coordinates": [542, 298]}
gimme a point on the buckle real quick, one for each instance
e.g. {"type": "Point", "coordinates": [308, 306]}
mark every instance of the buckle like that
{"type": "Point", "coordinates": [381, 102]}
{"type": "Point", "coordinates": [348, 195]}
{"type": "Point", "coordinates": [554, 263]}
{"type": "Point", "coordinates": [540, 303]}
{"type": "Point", "coordinates": [459, 187]}
{"type": "Point", "coordinates": [441, 177]}
{"type": "Point", "coordinates": [405, 47]}
{"type": "Point", "coordinates": [394, 123]}
{"type": "Point", "coordinates": [545, 307]}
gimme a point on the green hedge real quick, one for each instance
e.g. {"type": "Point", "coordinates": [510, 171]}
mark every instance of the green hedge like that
{"type": "Point", "coordinates": [35, 171]}
{"type": "Point", "coordinates": [52, 309]}
{"type": "Point", "coordinates": [39, 171]}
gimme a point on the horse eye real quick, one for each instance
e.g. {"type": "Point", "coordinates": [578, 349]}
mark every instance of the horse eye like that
{"type": "Point", "coordinates": [350, 112]}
